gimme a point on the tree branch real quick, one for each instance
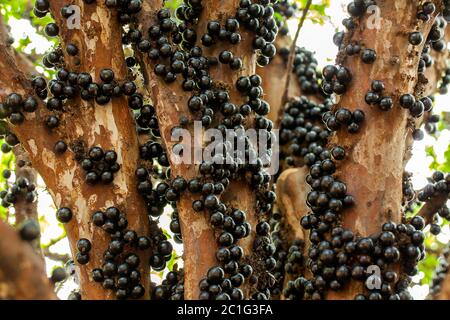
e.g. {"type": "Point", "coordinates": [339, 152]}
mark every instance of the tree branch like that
{"type": "Point", "coordinates": [114, 129]}
{"type": "Point", "coordinates": [22, 273]}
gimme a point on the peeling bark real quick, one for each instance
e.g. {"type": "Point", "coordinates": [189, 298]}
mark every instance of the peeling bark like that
{"type": "Point", "coordinates": [99, 41]}
{"type": "Point", "coordinates": [374, 167]}
{"type": "Point", "coordinates": [171, 102]}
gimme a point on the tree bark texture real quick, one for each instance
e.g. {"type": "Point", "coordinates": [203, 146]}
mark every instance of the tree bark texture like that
{"type": "Point", "coordinates": [374, 165]}
{"type": "Point", "coordinates": [110, 127]}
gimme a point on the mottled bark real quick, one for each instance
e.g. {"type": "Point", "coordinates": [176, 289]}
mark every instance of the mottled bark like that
{"type": "Point", "coordinates": [374, 166]}
{"type": "Point", "coordinates": [110, 127]}
{"type": "Point", "coordinates": [199, 238]}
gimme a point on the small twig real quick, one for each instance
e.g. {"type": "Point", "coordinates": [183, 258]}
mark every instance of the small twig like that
{"type": "Point", "coordinates": [290, 64]}
{"type": "Point", "coordinates": [56, 256]}
{"type": "Point", "coordinates": [54, 241]}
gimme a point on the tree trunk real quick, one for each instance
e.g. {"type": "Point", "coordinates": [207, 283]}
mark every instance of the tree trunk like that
{"type": "Point", "coordinates": [113, 130]}
{"type": "Point", "coordinates": [374, 166]}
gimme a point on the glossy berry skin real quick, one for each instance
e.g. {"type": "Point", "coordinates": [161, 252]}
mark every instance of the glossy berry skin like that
{"type": "Point", "coordinates": [368, 56]}
{"type": "Point", "coordinates": [60, 147]}
{"type": "Point", "coordinates": [415, 38]}
{"type": "Point", "coordinates": [106, 75]}
{"type": "Point", "coordinates": [407, 101]}
{"type": "Point", "coordinates": [96, 154]}
{"type": "Point", "coordinates": [64, 215]}
{"type": "Point", "coordinates": [82, 258]}
{"type": "Point", "coordinates": [51, 29]}
{"type": "Point", "coordinates": [84, 245]}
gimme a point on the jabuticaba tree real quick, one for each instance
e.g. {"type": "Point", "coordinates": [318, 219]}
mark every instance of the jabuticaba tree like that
{"type": "Point", "coordinates": [100, 133]}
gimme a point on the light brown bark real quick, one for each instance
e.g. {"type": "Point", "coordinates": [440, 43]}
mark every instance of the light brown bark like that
{"type": "Point", "coordinates": [374, 167]}
{"type": "Point", "coordinates": [99, 43]}
{"type": "Point", "coordinates": [199, 238]}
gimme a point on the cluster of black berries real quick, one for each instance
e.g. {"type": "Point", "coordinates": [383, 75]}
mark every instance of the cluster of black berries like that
{"type": "Point", "coordinates": [40, 87]}
{"type": "Point", "coordinates": [375, 96]}
{"type": "Point", "coordinates": [293, 265]}
{"type": "Point", "coordinates": [337, 255]}
{"type": "Point", "coordinates": [83, 246]}
{"type": "Point", "coordinates": [15, 105]}
{"type": "Point", "coordinates": [441, 273]}
{"type": "Point", "coordinates": [426, 10]}
{"type": "Point", "coordinates": [147, 121]}
{"type": "Point", "coordinates": [305, 68]}
{"type": "Point", "coordinates": [286, 9]}
{"type": "Point", "coordinates": [164, 193]}
{"type": "Point", "coordinates": [302, 130]}
{"type": "Point", "coordinates": [100, 165]}
{"type": "Point", "coordinates": [346, 257]}
{"type": "Point", "coordinates": [336, 79]}
{"type": "Point", "coordinates": [356, 9]}
{"type": "Point", "coordinates": [431, 123]}
{"type": "Point", "coordinates": [434, 40]}
{"type": "Point", "coordinates": [175, 226]}
{"type": "Point", "coordinates": [445, 81]}
{"type": "Point", "coordinates": [280, 244]}
{"type": "Point", "coordinates": [353, 49]}
{"type": "Point", "coordinates": [222, 282]}
{"type": "Point", "coordinates": [54, 58]}
{"type": "Point", "coordinates": [153, 150]}
{"type": "Point", "coordinates": [188, 60]}
{"type": "Point", "coordinates": [439, 185]}
{"type": "Point", "coordinates": [125, 8]}
{"type": "Point", "coordinates": [416, 107]}
{"type": "Point", "coordinates": [154, 198]}
{"type": "Point", "coordinates": [230, 32]}
{"type": "Point", "coordinates": [259, 18]}
{"type": "Point", "coordinates": [119, 271]}
{"type": "Point", "coordinates": [227, 57]}
{"type": "Point", "coordinates": [162, 249]}
{"type": "Point", "coordinates": [252, 89]}
{"type": "Point", "coordinates": [21, 189]}
{"type": "Point", "coordinates": [407, 187]}
{"type": "Point", "coordinates": [171, 288]}
{"type": "Point", "coordinates": [344, 117]}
